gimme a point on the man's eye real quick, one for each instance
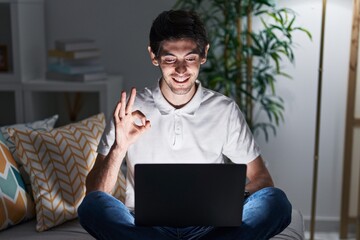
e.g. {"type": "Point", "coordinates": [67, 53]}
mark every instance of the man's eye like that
{"type": "Point", "coordinates": [190, 59]}
{"type": "Point", "coordinates": [169, 60]}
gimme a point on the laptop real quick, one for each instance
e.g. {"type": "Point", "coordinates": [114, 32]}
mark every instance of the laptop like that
{"type": "Point", "coordinates": [180, 195]}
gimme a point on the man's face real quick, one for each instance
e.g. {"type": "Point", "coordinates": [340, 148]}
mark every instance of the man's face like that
{"type": "Point", "coordinates": [179, 62]}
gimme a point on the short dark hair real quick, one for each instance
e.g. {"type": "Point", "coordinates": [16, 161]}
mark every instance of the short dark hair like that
{"type": "Point", "coordinates": [178, 24]}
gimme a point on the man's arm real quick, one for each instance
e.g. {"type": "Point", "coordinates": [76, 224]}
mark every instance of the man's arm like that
{"type": "Point", "coordinates": [103, 175]}
{"type": "Point", "coordinates": [258, 175]}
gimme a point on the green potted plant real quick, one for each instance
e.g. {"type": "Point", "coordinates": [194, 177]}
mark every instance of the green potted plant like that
{"type": "Point", "coordinates": [244, 63]}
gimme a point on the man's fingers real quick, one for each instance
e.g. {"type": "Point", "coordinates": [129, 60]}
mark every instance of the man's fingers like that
{"type": "Point", "coordinates": [131, 101]}
{"type": "Point", "coordinates": [143, 128]}
{"type": "Point", "coordinates": [123, 104]}
{"type": "Point", "coordinates": [117, 111]}
{"type": "Point", "coordinates": [141, 117]}
{"type": "Point", "coordinates": [123, 110]}
{"type": "Point", "coordinates": [147, 124]}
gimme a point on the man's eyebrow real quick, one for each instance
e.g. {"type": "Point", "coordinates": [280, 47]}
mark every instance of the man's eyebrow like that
{"type": "Point", "coordinates": [167, 54]}
{"type": "Point", "coordinates": [171, 54]}
{"type": "Point", "coordinates": [193, 52]}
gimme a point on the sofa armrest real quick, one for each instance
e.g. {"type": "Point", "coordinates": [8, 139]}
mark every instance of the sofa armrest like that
{"type": "Point", "coordinates": [296, 229]}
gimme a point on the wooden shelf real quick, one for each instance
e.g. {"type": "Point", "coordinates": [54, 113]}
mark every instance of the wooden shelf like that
{"type": "Point", "coordinates": [25, 94]}
{"type": "Point", "coordinates": [36, 95]}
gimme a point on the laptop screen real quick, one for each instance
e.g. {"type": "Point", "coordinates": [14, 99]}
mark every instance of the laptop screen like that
{"type": "Point", "coordinates": [181, 195]}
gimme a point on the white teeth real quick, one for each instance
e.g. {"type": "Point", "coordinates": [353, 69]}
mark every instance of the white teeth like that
{"type": "Point", "coordinates": [180, 80]}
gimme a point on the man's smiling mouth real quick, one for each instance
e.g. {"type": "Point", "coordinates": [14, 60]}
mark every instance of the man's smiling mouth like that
{"type": "Point", "coordinates": [181, 79]}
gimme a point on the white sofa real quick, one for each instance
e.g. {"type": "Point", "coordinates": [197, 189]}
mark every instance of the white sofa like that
{"type": "Point", "coordinates": [58, 227]}
{"type": "Point", "coordinates": [73, 230]}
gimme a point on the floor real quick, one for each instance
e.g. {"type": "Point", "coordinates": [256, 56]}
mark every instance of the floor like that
{"type": "Point", "coordinates": [328, 236]}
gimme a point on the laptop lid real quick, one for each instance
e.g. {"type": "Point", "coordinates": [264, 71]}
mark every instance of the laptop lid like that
{"type": "Point", "coordinates": [180, 195]}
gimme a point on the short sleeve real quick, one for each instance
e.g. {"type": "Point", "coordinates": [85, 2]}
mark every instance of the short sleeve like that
{"type": "Point", "coordinates": [107, 139]}
{"type": "Point", "coordinates": [240, 145]}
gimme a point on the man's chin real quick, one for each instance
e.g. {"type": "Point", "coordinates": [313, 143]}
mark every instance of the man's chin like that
{"type": "Point", "coordinates": [180, 91]}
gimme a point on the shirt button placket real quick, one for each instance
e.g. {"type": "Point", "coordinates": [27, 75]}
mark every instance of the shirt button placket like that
{"type": "Point", "coordinates": [178, 131]}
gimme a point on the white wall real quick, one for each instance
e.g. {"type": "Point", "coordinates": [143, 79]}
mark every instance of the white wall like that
{"type": "Point", "coordinates": [291, 152]}
{"type": "Point", "coordinates": [121, 30]}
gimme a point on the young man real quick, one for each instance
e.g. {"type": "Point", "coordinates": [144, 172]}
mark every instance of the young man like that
{"type": "Point", "coordinates": [176, 121]}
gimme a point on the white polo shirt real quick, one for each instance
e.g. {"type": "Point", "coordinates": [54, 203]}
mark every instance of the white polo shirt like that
{"type": "Point", "coordinates": [208, 127]}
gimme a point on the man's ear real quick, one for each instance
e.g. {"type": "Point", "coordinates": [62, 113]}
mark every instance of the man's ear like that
{"type": "Point", "coordinates": [203, 60]}
{"type": "Point", "coordinates": [153, 57]}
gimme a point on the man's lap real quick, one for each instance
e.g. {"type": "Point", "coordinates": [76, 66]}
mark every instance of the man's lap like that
{"type": "Point", "coordinates": [266, 213]}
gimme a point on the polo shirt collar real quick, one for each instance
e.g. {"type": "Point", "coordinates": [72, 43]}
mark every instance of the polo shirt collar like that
{"type": "Point", "coordinates": [166, 108]}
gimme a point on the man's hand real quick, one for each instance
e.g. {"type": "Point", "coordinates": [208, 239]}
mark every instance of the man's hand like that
{"type": "Point", "coordinates": [129, 125]}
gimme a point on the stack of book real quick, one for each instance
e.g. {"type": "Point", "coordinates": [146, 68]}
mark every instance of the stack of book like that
{"type": "Point", "coordinates": [75, 60]}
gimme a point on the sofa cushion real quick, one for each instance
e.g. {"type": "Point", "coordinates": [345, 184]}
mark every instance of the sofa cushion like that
{"type": "Point", "coordinates": [26, 231]}
{"type": "Point", "coordinates": [73, 230]}
{"type": "Point", "coordinates": [16, 204]}
{"type": "Point", "coordinates": [58, 162]}
{"type": "Point", "coordinates": [43, 124]}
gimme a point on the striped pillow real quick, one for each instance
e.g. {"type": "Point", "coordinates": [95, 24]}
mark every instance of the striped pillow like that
{"type": "Point", "coordinates": [43, 124]}
{"type": "Point", "coordinates": [58, 162]}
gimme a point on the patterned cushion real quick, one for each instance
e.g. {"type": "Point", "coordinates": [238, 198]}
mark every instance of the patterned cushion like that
{"type": "Point", "coordinates": [45, 124]}
{"type": "Point", "coordinates": [15, 203]}
{"type": "Point", "coordinates": [58, 162]}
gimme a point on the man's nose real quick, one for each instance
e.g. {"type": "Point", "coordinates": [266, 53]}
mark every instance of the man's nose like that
{"type": "Point", "coordinates": [180, 67]}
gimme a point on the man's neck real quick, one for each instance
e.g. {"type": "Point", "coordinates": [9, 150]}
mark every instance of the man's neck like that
{"type": "Point", "coordinates": [177, 100]}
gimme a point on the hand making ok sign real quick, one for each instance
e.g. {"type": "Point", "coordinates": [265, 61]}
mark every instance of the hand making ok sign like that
{"type": "Point", "coordinates": [129, 124]}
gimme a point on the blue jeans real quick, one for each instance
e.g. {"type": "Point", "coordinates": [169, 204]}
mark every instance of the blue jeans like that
{"type": "Point", "coordinates": [266, 213]}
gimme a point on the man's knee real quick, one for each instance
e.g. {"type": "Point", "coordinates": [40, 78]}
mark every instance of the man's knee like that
{"type": "Point", "coordinates": [281, 199]}
{"type": "Point", "coordinates": [273, 199]}
{"type": "Point", "coordinates": [274, 194]}
{"type": "Point", "coordinates": [87, 205]}
{"type": "Point", "coordinates": [279, 203]}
